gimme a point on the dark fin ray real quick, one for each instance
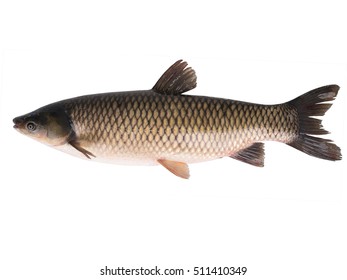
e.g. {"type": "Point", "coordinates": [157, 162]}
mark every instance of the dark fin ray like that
{"type": "Point", "coordinates": [176, 80]}
{"type": "Point", "coordinates": [253, 155]}
{"type": "Point", "coordinates": [317, 147]}
{"type": "Point", "coordinates": [311, 104]}
{"type": "Point", "coordinates": [180, 169]}
{"type": "Point", "coordinates": [79, 148]}
{"type": "Point", "coordinates": [312, 126]}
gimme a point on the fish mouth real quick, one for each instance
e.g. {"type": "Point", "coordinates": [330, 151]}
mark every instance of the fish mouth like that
{"type": "Point", "coordinates": [18, 122]}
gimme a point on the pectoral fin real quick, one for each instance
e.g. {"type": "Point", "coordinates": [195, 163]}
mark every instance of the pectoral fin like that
{"type": "Point", "coordinates": [78, 147]}
{"type": "Point", "coordinates": [180, 169]}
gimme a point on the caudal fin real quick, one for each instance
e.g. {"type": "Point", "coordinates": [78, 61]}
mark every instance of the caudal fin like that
{"type": "Point", "coordinates": [308, 105]}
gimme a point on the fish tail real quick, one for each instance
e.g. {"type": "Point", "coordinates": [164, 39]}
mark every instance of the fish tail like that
{"type": "Point", "coordinates": [308, 105]}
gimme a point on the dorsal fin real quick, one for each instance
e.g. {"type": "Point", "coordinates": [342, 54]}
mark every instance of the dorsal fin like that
{"type": "Point", "coordinates": [253, 155]}
{"type": "Point", "coordinates": [176, 80]}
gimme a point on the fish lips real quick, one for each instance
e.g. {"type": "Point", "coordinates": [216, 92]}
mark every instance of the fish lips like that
{"type": "Point", "coordinates": [18, 123]}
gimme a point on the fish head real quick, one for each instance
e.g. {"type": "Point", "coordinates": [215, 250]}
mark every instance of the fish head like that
{"type": "Point", "coordinates": [49, 125]}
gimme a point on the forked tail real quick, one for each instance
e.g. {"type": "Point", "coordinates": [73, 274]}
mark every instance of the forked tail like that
{"type": "Point", "coordinates": [308, 105]}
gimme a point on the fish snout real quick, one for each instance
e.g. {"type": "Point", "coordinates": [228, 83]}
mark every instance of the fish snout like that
{"type": "Point", "coordinates": [18, 122]}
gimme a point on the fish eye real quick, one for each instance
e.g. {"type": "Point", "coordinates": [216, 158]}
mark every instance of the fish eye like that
{"type": "Point", "coordinates": [31, 126]}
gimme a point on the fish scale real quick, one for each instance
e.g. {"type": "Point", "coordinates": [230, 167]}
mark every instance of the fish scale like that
{"type": "Point", "coordinates": [192, 129]}
{"type": "Point", "coordinates": [164, 126]}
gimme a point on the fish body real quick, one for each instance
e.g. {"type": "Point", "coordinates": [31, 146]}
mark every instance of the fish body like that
{"type": "Point", "coordinates": [164, 126]}
{"type": "Point", "coordinates": [143, 126]}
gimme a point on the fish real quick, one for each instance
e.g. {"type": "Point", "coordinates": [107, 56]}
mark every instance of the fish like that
{"type": "Point", "coordinates": [165, 126]}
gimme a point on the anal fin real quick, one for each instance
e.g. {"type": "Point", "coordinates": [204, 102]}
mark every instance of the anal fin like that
{"type": "Point", "coordinates": [253, 155]}
{"type": "Point", "coordinates": [180, 169]}
{"type": "Point", "coordinates": [78, 147]}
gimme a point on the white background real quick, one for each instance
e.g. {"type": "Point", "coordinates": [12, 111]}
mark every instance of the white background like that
{"type": "Point", "coordinates": [65, 218]}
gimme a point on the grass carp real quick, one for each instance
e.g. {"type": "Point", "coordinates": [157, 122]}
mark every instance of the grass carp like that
{"type": "Point", "coordinates": [167, 127]}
